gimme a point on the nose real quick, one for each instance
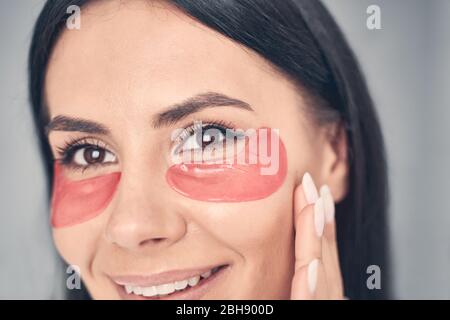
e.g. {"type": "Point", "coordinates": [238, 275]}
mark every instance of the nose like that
{"type": "Point", "coordinates": [143, 215]}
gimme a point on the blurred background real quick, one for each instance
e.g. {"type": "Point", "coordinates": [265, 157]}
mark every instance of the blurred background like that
{"type": "Point", "coordinates": [407, 65]}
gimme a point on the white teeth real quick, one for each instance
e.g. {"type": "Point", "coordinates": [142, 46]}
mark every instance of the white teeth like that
{"type": "Point", "coordinates": [150, 291]}
{"type": "Point", "coordinates": [193, 281]}
{"type": "Point", "coordinates": [167, 288]}
{"type": "Point", "coordinates": [180, 285]}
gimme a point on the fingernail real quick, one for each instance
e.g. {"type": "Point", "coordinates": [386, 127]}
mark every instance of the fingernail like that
{"type": "Point", "coordinates": [309, 188]}
{"type": "Point", "coordinates": [312, 275]}
{"type": "Point", "coordinates": [319, 217]}
{"type": "Point", "coordinates": [328, 203]}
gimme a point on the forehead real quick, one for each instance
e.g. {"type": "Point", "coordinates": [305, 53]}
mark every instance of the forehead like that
{"type": "Point", "coordinates": [147, 54]}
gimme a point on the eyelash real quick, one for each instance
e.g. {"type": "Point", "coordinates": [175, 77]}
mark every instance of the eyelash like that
{"type": "Point", "coordinates": [212, 124]}
{"type": "Point", "coordinates": [67, 151]}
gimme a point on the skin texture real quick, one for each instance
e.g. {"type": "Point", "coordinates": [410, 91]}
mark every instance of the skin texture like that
{"type": "Point", "coordinates": [130, 61]}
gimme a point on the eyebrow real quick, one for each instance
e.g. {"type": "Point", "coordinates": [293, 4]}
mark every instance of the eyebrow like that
{"type": "Point", "coordinates": [195, 104]}
{"type": "Point", "coordinates": [65, 123]}
{"type": "Point", "coordinates": [168, 117]}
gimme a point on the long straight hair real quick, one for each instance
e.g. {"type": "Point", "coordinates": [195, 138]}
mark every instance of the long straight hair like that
{"type": "Point", "coordinates": [301, 39]}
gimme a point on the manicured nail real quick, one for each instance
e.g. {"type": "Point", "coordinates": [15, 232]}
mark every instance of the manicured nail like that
{"type": "Point", "coordinates": [319, 217]}
{"type": "Point", "coordinates": [328, 203]}
{"type": "Point", "coordinates": [312, 276]}
{"type": "Point", "coordinates": [309, 188]}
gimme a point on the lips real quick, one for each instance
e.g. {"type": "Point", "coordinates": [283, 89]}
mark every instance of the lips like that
{"type": "Point", "coordinates": [184, 284]}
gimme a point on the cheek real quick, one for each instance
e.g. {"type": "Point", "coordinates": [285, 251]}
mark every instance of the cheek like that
{"type": "Point", "coordinates": [253, 227]}
{"type": "Point", "coordinates": [74, 202]}
{"type": "Point", "coordinates": [260, 236]}
{"type": "Point", "coordinates": [237, 181]}
{"type": "Point", "coordinates": [263, 236]}
{"type": "Point", "coordinates": [75, 245]}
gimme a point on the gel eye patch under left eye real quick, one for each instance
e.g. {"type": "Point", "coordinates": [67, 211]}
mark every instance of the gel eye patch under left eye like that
{"type": "Point", "coordinates": [235, 181]}
{"type": "Point", "coordinates": [74, 202]}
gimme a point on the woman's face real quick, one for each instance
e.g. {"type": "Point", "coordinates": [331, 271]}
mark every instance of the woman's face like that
{"type": "Point", "coordinates": [129, 64]}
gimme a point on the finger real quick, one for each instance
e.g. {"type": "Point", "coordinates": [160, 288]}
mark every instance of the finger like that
{"type": "Point", "coordinates": [304, 282]}
{"type": "Point", "coordinates": [310, 282]}
{"type": "Point", "coordinates": [328, 202]}
{"type": "Point", "coordinates": [329, 244]}
{"type": "Point", "coordinates": [332, 272]}
{"type": "Point", "coordinates": [301, 198]}
{"type": "Point", "coordinates": [309, 226]}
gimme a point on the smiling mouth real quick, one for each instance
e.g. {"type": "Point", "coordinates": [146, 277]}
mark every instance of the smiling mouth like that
{"type": "Point", "coordinates": [192, 287]}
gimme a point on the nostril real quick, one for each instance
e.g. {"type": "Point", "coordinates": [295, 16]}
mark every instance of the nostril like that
{"type": "Point", "coordinates": [152, 241]}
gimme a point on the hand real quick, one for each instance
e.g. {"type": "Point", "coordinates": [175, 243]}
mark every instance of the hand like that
{"type": "Point", "coordinates": [317, 272]}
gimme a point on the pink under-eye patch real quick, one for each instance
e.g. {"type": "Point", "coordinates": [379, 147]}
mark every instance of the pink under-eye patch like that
{"type": "Point", "coordinates": [235, 181]}
{"type": "Point", "coordinates": [75, 202]}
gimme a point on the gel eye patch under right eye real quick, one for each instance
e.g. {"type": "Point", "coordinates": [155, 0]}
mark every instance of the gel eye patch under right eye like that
{"type": "Point", "coordinates": [236, 181]}
{"type": "Point", "coordinates": [75, 202]}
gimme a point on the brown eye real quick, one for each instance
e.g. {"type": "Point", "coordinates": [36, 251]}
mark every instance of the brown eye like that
{"type": "Point", "coordinates": [92, 155]}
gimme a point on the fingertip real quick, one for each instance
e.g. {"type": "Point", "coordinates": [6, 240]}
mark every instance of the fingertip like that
{"type": "Point", "coordinates": [309, 188]}
{"type": "Point", "coordinates": [299, 199]}
{"type": "Point", "coordinates": [300, 288]}
{"type": "Point", "coordinates": [319, 217]}
{"type": "Point", "coordinates": [329, 206]}
{"type": "Point", "coordinates": [312, 276]}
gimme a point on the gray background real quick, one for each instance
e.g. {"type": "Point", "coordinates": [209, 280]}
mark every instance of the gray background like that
{"type": "Point", "coordinates": [408, 69]}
